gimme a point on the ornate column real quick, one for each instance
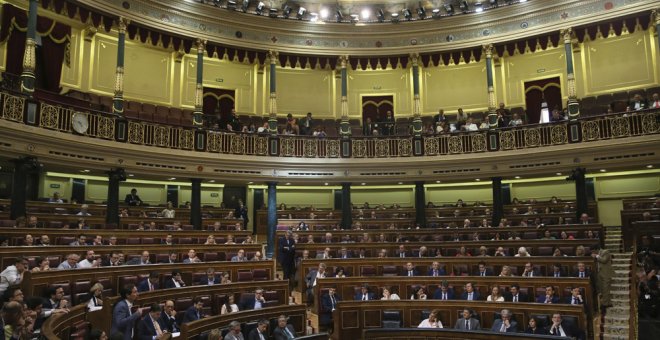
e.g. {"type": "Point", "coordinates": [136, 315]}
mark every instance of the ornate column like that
{"type": "Point", "coordinates": [272, 219]}
{"type": "Point", "coordinates": [198, 119]}
{"type": "Point", "coordinates": [344, 127]}
{"type": "Point", "coordinates": [23, 168]}
{"type": "Point", "coordinates": [420, 204]}
{"type": "Point", "coordinates": [196, 203]}
{"type": "Point", "coordinates": [573, 105]}
{"type": "Point", "coordinates": [29, 57]}
{"type": "Point", "coordinates": [112, 208]}
{"type": "Point", "coordinates": [346, 206]}
{"type": "Point", "coordinates": [498, 204]}
{"type": "Point", "coordinates": [118, 100]}
{"type": "Point", "coordinates": [417, 119]}
{"type": "Point", "coordinates": [492, 116]}
{"type": "Point", "coordinates": [655, 15]}
{"type": "Point", "coordinates": [272, 111]}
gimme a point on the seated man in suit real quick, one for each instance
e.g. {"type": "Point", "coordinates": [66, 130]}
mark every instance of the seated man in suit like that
{"type": "Point", "coordinates": [123, 319]}
{"type": "Point", "coordinates": [549, 296]}
{"type": "Point", "coordinates": [328, 305]}
{"type": "Point", "coordinates": [505, 324]}
{"type": "Point", "coordinates": [150, 327]}
{"type": "Point", "coordinates": [515, 295]}
{"type": "Point", "coordinates": [443, 292]}
{"type": "Point", "coordinates": [240, 256]}
{"type": "Point", "coordinates": [284, 330]}
{"type": "Point", "coordinates": [142, 260]}
{"type": "Point", "coordinates": [530, 271]}
{"type": "Point", "coordinates": [210, 279]}
{"type": "Point", "coordinates": [557, 271]}
{"type": "Point", "coordinates": [324, 255]}
{"type": "Point", "coordinates": [483, 271]}
{"type": "Point", "coordinates": [582, 271]}
{"type": "Point", "coordinates": [173, 257]}
{"type": "Point", "coordinates": [467, 323]}
{"type": "Point", "coordinates": [260, 332]}
{"type": "Point", "coordinates": [364, 294]}
{"type": "Point", "coordinates": [401, 252]}
{"type": "Point", "coordinates": [175, 281]}
{"type": "Point", "coordinates": [256, 303]}
{"type": "Point", "coordinates": [470, 294]}
{"type": "Point", "coordinates": [560, 328]}
{"type": "Point", "coordinates": [310, 281]}
{"type": "Point", "coordinates": [168, 317]}
{"type": "Point", "coordinates": [410, 270]}
{"type": "Point", "coordinates": [192, 257]}
{"type": "Point", "coordinates": [149, 284]}
{"type": "Point", "coordinates": [344, 253]}
{"type": "Point", "coordinates": [576, 297]}
{"type": "Point", "coordinates": [194, 312]}
{"type": "Point", "coordinates": [133, 199]}
{"type": "Point", "coordinates": [234, 330]}
{"type": "Point", "coordinates": [436, 270]}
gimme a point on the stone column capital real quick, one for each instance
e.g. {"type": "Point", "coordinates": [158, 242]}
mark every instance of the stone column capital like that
{"type": "Point", "coordinates": [414, 58]}
{"type": "Point", "coordinates": [343, 61]}
{"type": "Point", "coordinates": [488, 50]}
{"type": "Point", "coordinates": [567, 35]}
{"type": "Point", "coordinates": [273, 56]}
{"type": "Point", "coordinates": [122, 22]}
{"type": "Point", "coordinates": [201, 45]}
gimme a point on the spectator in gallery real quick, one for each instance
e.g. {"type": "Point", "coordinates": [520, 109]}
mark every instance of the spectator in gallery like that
{"type": "Point", "coordinates": [169, 211]}
{"type": "Point", "coordinates": [56, 198]}
{"type": "Point", "coordinates": [83, 210]}
{"type": "Point", "coordinates": [133, 199]}
{"type": "Point", "coordinates": [516, 121]}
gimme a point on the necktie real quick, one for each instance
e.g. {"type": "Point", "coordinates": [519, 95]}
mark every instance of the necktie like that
{"type": "Point", "coordinates": [261, 336]}
{"type": "Point", "coordinates": [157, 327]}
{"type": "Point", "coordinates": [515, 298]}
{"type": "Point", "coordinates": [435, 272]}
{"type": "Point", "coordinates": [556, 274]}
{"type": "Point", "coordinates": [467, 324]}
{"type": "Point", "coordinates": [554, 331]}
{"type": "Point", "coordinates": [288, 333]}
{"type": "Point", "coordinates": [582, 274]}
{"type": "Point", "coordinates": [410, 273]}
{"type": "Point", "coordinates": [444, 296]}
{"type": "Point", "coordinates": [332, 299]}
{"type": "Point", "coordinates": [364, 297]}
{"type": "Point", "coordinates": [575, 301]}
{"type": "Point", "coordinates": [469, 296]}
{"type": "Point", "coordinates": [402, 255]}
{"type": "Point", "coordinates": [483, 273]}
{"type": "Point", "coordinates": [503, 329]}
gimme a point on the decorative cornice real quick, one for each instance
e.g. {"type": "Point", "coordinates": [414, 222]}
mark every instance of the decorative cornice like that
{"type": "Point", "coordinates": [193, 19]}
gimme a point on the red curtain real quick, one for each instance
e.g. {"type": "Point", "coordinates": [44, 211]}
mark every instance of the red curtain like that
{"type": "Point", "coordinates": [55, 39]}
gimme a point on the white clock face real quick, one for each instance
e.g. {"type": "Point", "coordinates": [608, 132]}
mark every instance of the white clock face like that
{"type": "Point", "coordinates": [79, 123]}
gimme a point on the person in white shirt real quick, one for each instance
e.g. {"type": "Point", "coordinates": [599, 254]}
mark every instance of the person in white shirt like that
{"type": "Point", "coordinates": [558, 329]}
{"type": "Point", "coordinates": [432, 321]}
{"type": "Point", "coordinates": [230, 306]}
{"type": "Point", "coordinates": [495, 295]}
{"type": "Point", "coordinates": [516, 121]}
{"type": "Point", "coordinates": [387, 295]}
{"type": "Point", "coordinates": [169, 211]}
{"type": "Point", "coordinates": [96, 301]}
{"type": "Point", "coordinates": [470, 125]}
{"type": "Point", "coordinates": [83, 210]}
{"type": "Point", "coordinates": [522, 252]}
{"type": "Point", "coordinates": [13, 275]}
{"type": "Point", "coordinates": [89, 261]}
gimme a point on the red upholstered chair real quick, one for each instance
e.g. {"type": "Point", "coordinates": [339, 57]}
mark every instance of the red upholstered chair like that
{"type": "Point", "coordinates": [260, 275]}
{"type": "Point", "coordinates": [245, 276]}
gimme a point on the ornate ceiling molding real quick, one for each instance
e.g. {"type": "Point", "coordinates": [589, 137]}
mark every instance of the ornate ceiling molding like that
{"type": "Point", "coordinates": [192, 19]}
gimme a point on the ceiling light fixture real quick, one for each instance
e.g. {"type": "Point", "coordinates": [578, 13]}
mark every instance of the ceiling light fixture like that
{"type": "Point", "coordinates": [603, 170]}
{"type": "Point", "coordinates": [366, 13]}
{"type": "Point", "coordinates": [301, 13]}
{"type": "Point", "coordinates": [407, 14]}
{"type": "Point", "coordinates": [324, 13]}
{"type": "Point", "coordinates": [381, 15]}
{"type": "Point", "coordinates": [558, 174]}
{"type": "Point", "coordinates": [650, 166]}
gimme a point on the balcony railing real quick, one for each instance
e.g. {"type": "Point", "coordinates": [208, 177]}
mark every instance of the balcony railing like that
{"type": "Point", "coordinates": [58, 117]}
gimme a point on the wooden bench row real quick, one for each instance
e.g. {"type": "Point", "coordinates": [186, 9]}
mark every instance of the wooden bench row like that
{"type": "Point", "coordinates": [460, 268]}
{"type": "Point", "coordinates": [131, 223]}
{"type": "Point", "coordinates": [352, 317]}
{"type": "Point", "coordinates": [78, 281]}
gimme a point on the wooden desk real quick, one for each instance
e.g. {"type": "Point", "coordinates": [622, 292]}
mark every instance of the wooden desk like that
{"type": "Point", "coordinates": [59, 236]}
{"type": "Point", "coordinates": [446, 334]}
{"type": "Point", "coordinates": [60, 326]}
{"type": "Point", "coordinates": [297, 315]}
{"type": "Point", "coordinates": [34, 284]}
{"type": "Point", "coordinates": [98, 222]}
{"type": "Point", "coordinates": [405, 286]}
{"type": "Point", "coordinates": [157, 251]}
{"type": "Point", "coordinates": [633, 232]}
{"type": "Point", "coordinates": [352, 317]}
{"type": "Point", "coordinates": [213, 296]}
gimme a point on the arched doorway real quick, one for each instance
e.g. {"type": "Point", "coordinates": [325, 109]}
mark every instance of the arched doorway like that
{"type": "Point", "coordinates": [217, 105]}
{"type": "Point", "coordinates": [538, 91]}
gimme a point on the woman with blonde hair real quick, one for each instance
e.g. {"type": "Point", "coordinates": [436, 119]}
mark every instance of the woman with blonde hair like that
{"type": "Point", "coordinates": [506, 271]}
{"type": "Point", "coordinates": [495, 295]}
{"type": "Point", "coordinates": [96, 300]}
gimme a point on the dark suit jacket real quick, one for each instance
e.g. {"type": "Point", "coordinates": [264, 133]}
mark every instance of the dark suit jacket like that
{"type": "Point", "coordinates": [536, 273]}
{"type": "Point", "coordinates": [136, 261]}
{"type": "Point", "coordinates": [569, 300]}
{"type": "Point", "coordinates": [205, 281]}
{"type": "Point", "coordinates": [568, 330]}
{"type": "Point", "coordinates": [248, 304]}
{"type": "Point", "coordinates": [146, 330]}
{"type": "Point", "coordinates": [368, 128]}
{"type": "Point", "coordinates": [475, 295]}
{"type": "Point", "coordinates": [488, 272]}
{"type": "Point", "coordinates": [438, 294]}
{"type": "Point", "coordinates": [143, 286]}
{"type": "Point", "coordinates": [359, 296]}
{"type": "Point", "coordinates": [309, 279]}
{"type": "Point", "coordinates": [405, 272]}
{"type": "Point", "coordinates": [192, 315]}
{"type": "Point", "coordinates": [168, 323]}
{"type": "Point", "coordinates": [122, 320]}
{"type": "Point", "coordinates": [474, 324]}
{"type": "Point", "coordinates": [287, 252]}
{"type": "Point", "coordinates": [279, 334]}
{"type": "Point", "coordinates": [521, 297]}
{"type": "Point", "coordinates": [587, 273]}
{"type": "Point", "coordinates": [441, 272]}
{"type": "Point", "coordinates": [325, 318]}
{"type": "Point", "coordinates": [538, 330]}
{"type": "Point", "coordinates": [132, 200]}
{"type": "Point", "coordinates": [541, 299]}
{"type": "Point", "coordinates": [170, 284]}
{"type": "Point", "coordinates": [513, 326]}
{"type": "Point", "coordinates": [254, 335]}
{"type": "Point", "coordinates": [561, 274]}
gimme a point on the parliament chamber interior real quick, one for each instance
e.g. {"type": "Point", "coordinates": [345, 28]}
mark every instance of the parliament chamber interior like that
{"type": "Point", "coordinates": [314, 169]}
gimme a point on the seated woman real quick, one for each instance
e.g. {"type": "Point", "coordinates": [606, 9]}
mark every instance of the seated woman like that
{"type": "Point", "coordinates": [96, 300]}
{"type": "Point", "coordinates": [506, 271]}
{"type": "Point", "coordinates": [533, 328]}
{"type": "Point", "coordinates": [210, 240]}
{"type": "Point", "coordinates": [420, 294]}
{"type": "Point", "coordinates": [230, 240]}
{"type": "Point", "coordinates": [432, 321]}
{"type": "Point", "coordinates": [230, 306]}
{"type": "Point", "coordinates": [495, 295]}
{"type": "Point", "coordinates": [28, 241]}
{"type": "Point", "coordinates": [339, 272]}
{"type": "Point", "coordinates": [43, 264]}
{"type": "Point", "coordinates": [225, 278]}
{"type": "Point", "coordinates": [387, 295]}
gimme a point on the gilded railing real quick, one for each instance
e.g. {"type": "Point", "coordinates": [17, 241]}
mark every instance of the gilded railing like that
{"type": "Point", "coordinates": [58, 117]}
